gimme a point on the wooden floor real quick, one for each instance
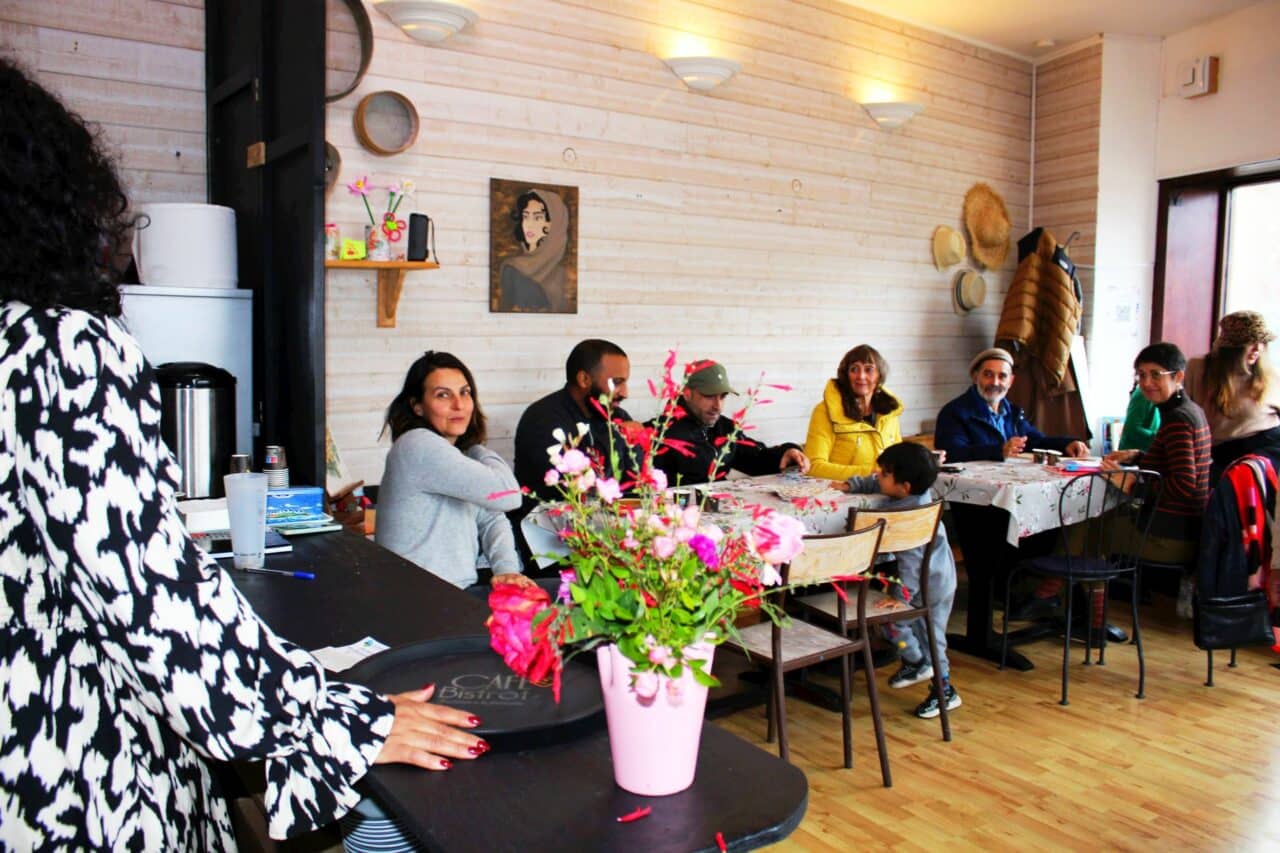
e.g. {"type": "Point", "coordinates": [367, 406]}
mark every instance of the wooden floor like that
{"type": "Point", "coordinates": [1189, 767]}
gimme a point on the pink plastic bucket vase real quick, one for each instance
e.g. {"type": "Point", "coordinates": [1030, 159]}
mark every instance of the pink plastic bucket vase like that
{"type": "Point", "coordinates": [654, 741]}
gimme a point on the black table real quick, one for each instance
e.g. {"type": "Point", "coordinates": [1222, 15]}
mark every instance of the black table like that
{"type": "Point", "coordinates": [988, 559]}
{"type": "Point", "coordinates": [559, 797]}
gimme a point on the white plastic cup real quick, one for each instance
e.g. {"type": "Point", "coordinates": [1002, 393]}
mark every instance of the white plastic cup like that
{"type": "Point", "coordinates": [247, 507]}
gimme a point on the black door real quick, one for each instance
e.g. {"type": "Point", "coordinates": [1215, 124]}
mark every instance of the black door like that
{"type": "Point", "coordinates": [264, 78]}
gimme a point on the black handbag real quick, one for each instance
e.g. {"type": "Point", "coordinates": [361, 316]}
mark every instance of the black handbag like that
{"type": "Point", "coordinates": [1233, 621]}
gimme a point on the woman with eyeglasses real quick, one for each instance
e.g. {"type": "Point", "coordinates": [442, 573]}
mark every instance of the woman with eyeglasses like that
{"type": "Point", "coordinates": [1237, 390]}
{"type": "Point", "coordinates": [1179, 453]}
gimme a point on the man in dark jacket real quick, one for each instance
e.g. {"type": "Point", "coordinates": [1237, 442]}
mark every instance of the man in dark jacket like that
{"type": "Point", "coordinates": [595, 369]}
{"type": "Point", "coordinates": [982, 424]}
{"type": "Point", "coordinates": [702, 431]}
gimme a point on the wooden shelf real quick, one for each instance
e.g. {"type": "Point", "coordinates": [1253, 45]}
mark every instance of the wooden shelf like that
{"type": "Point", "coordinates": [390, 282]}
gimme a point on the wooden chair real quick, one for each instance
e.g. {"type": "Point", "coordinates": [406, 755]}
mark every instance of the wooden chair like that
{"type": "Point", "coordinates": [1090, 551]}
{"type": "Point", "coordinates": [783, 648]}
{"type": "Point", "coordinates": [905, 529]}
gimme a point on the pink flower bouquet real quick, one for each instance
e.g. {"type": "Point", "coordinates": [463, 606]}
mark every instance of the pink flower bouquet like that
{"type": "Point", "coordinates": [654, 577]}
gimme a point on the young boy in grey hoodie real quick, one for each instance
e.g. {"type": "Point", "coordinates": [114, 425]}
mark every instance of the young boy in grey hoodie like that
{"type": "Point", "coordinates": [905, 474]}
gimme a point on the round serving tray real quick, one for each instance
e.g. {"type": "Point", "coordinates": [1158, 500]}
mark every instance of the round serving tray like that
{"type": "Point", "coordinates": [469, 675]}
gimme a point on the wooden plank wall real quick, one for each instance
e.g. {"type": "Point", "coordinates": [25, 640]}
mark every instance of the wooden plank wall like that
{"type": "Point", "coordinates": [1068, 109]}
{"type": "Point", "coordinates": [135, 67]}
{"type": "Point", "coordinates": [770, 224]}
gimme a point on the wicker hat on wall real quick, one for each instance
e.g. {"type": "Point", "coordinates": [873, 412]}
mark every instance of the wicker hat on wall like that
{"type": "Point", "coordinates": [948, 247]}
{"type": "Point", "coordinates": [988, 224]}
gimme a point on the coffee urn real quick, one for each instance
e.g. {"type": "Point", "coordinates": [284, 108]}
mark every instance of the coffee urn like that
{"type": "Point", "coordinates": [198, 422]}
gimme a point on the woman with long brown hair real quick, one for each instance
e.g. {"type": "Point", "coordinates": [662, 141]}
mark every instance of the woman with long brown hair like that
{"type": "Point", "coordinates": [1236, 387]}
{"type": "Point", "coordinates": [856, 419]}
{"type": "Point", "coordinates": [443, 494]}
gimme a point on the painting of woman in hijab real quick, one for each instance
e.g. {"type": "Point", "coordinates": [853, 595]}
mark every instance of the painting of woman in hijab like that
{"type": "Point", "coordinates": [533, 258]}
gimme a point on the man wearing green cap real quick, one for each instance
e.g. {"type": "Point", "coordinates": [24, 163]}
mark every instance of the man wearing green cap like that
{"type": "Point", "coordinates": [702, 432]}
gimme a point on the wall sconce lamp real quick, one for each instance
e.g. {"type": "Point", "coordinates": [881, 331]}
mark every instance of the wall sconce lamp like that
{"type": "Point", "coordinates": [891, 115]}
{"type": "Point", "coordinates": [427, 20]}
{"type": "Point", "coordinates": [703, 73]}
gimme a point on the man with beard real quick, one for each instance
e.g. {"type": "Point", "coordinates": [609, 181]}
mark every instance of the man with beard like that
{"type": "Point", "coordinates": [982, 424]}
{"type": "Point", "coordinates": [703, 431]}
{"type": "Point", "coordinates": [595, 368]}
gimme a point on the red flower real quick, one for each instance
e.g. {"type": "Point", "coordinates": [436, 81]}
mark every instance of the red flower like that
{"type": "Point", "coordinates": [528, 650]}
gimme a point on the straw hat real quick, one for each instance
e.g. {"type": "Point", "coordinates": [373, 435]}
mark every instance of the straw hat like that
{"type": "Point", "coordinates": [948, 247]}
{"type": "Point", "coordinates": [970, 290]}
{"type": "Point", "coordinates": [988, 224]}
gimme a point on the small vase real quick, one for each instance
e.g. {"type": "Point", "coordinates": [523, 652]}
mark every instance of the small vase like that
{"type": "Point", "coordinates": [654, 742]}
{"type": "Point", "coordinates": [375, 244]}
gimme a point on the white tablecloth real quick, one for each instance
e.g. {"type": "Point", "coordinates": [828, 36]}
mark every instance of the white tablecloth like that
{"type": "Point", "coordinates": [1027, 491]}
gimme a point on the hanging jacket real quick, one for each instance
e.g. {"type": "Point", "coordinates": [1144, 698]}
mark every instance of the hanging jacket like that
{"type": "Point", "coordinates": [1042, 309]}
{"type": "Point", "coordinates": [839, 447]}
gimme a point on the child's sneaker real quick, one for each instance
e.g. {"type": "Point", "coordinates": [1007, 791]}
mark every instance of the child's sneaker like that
{"type": "Point", "coordinates": [911, 673]}
{"type": "Point", "coordinates": [928, 709]}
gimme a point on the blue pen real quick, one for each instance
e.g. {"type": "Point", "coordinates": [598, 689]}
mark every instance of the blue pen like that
{"type": "Point", "coordinates": [306, 576]}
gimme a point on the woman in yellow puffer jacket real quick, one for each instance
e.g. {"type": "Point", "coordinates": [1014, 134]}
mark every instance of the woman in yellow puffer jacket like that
{"type": "Point", "coordinates": [856, 419]}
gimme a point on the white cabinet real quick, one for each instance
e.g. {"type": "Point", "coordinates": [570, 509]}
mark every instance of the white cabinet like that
{"type": "Point", "coordinates": [213, 325]}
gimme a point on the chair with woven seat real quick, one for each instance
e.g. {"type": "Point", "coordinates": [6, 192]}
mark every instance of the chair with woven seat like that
{"type": "Point", "coordinates": [1093, 510]}
{"type": "Point", "coordinates": [784, 648]}
{"type": "Point", "coordinates": [905, 529]}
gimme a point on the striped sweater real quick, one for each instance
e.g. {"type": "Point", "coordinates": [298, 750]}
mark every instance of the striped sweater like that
{"type": "Point", "coordinates": [1180, 452]}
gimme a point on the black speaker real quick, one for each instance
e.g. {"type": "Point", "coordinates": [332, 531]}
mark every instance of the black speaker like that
{"type": "Point", "coordinates": [419, 229]}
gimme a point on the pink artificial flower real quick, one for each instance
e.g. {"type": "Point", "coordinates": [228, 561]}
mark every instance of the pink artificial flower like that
{"type": "Point", "coordinates": [661, 655]}
{"type": "Point", "coordinates": [646, 685]}
{"type": "Point", "coordinates": [684, 534]}
{"type": "Point", "coordinates": [360, 186]}
{"type": "Point", "coordinates": [705, 548]}
{"type": "Point", "coordinates": [608, 489]}
{"type": "Point", "coordinates": [658, 478]}
{"type": "Point", "coordinates": [573, 461]}
{"type": "Point", "coordinates": [630, 542]}
{"type": "Point", "coordinates": [551, 477]}
{"type": "Point", "coordinates": [564, 595]}
{"type": "Point", "coordinates": [585, 481]}
{"type": "Point", "coordinates": [777, 538]}
{"type": "Point", "coordinates": [664, 547]}
{"type": "Point", "coordinates": [675, 691]}
{"type": "Point", "coordinates": [769, 575]}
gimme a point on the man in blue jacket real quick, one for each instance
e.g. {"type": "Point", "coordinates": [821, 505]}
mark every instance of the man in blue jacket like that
{"type": "Point", "coordinates": [982, 424]}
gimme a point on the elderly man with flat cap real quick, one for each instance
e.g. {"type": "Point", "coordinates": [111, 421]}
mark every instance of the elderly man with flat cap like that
{"type": "Point", "coordinates": [982, 424]}
{"type": "Point", "coordinates": [702, 429]}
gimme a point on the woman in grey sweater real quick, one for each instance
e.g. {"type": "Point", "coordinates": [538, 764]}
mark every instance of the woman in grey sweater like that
{"type": "Point", "coordinates": [443, 494]}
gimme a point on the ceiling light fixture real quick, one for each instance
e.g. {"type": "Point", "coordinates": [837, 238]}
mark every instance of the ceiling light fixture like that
{"type": "Point", "coordinates": [703, 73]}
{"type": "Point", "coordinates": [891, 115]}
{"type": "Point", "coordinates": [427, 20]}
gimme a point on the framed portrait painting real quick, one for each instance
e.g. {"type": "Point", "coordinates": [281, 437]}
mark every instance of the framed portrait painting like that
{"type": "Point", "coordinates": [533, 248]}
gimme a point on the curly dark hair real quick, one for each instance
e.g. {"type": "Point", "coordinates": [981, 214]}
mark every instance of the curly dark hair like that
{"type": "Point", "coordinates": [882, 402]}
{"type": "Point", "coordinates": [62, 209]}
{"type": "Point", "coordinates": [400, 414]}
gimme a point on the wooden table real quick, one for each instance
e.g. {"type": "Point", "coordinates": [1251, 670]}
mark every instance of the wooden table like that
{"type": "Point", "coordinates": [555, 798]}
{"type": "Point", "coordinates": [1020, 500]}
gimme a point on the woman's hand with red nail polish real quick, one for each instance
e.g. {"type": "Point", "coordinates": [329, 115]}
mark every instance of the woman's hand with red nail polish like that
{"type": "Point", "coordinates": [428, 735]}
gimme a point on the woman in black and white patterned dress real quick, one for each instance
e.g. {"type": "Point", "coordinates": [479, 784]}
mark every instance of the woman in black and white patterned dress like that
{"type": "Point", "coordinates": [127, 658]}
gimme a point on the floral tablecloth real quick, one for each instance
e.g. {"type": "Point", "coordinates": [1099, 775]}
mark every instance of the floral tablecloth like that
{"type": "Point", "coordinates": [1027, 491]}
{"type": "Point", "coordinates": [822, 509]}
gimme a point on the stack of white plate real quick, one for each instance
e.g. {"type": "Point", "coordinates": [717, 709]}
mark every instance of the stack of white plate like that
{"type": "Point", "coordinates": [365, 834]}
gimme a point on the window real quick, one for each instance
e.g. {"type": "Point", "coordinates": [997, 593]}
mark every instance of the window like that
{"type": "Point", "coordinates": [1252, 251]}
